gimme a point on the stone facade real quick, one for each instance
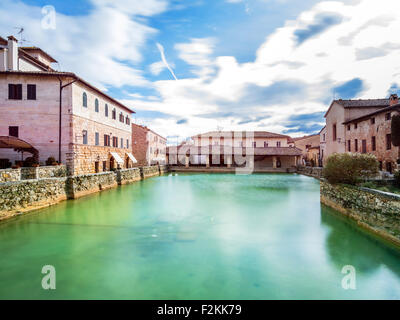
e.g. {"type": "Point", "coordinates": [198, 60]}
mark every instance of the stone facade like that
{"type": "Point", "coordinates": [311, 171]}
{"type": "Point", "coordinates": [376, 211]}
{"type": "Point", "coordinates": [371, 133]}
{"type": "Point", "coordinates": [309, 145]}
{"type": "Point", "coordinates": [84, 116]}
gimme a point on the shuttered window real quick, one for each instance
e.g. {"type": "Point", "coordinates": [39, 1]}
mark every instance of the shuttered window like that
{"type": "Point", "coordinates": [13, 131]}
{"type": "Point", "coordinates": [31, 89]}
{"type": "Point", "coordinates": [15, 91]}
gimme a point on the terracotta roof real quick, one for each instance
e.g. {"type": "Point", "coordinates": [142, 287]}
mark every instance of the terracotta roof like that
{"type": "Point", "coordinates": [270, 151]}
{"type": "Point", "coordinates": [257, 134]}
{"type": "Point", "coordinates": [305, 137]}
{"type": "Point", "coordinates": [367, 116]}
{"type": "Point", "coordinates": [72, 75]}
{"type": "Point", "coordinates": [364, 103]}
{"type": "Point", "coordinates": [31, 49]}
{"type": "Point", "coordinates": [3, 41]}
{"type": "Point", "coordinates": [361, 103]}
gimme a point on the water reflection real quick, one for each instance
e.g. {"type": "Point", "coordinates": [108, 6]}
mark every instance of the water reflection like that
{"type": "Point", "coordinates": [347, 244]}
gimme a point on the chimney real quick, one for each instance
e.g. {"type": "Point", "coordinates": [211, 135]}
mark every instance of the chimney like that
{"type": "Point", "coordinates": [394, 99]}
{"type": "Point", "coordinates": [12, 53]}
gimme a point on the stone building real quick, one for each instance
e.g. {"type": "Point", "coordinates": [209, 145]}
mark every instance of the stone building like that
{"type": "Point", "coordinates": [266, 150]}
{"type": "Point", "coordinates": [362, 126]}
{"type": "Point", "coordinates": [148, 147]}
{"type": "Point", "coordinates": [372, 134]}
{"type": "Point", "coordinates": [58, 114]}
{"type": "Point", "coordinates": [309, 145]}
{"type": "Point", "coordinates": [322, 145]}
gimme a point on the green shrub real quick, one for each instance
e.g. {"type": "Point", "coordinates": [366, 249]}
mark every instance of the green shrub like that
{"type": "Point", "coordinates": [397, 178]}
{"type": "Point", "coordinates": [350, 168]}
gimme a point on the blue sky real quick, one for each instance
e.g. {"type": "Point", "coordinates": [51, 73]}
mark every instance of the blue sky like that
{"type": "Point", "coordinates": [192, 66]}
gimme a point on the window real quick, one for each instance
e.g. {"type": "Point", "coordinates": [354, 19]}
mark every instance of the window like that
{"type": "Point", "coordinates": [15, 91]}
{"type": "Point", "coordinates": [380, 166]}
{"type": "Point", "coordinates": [323, 137]}
{"type": "Point", "coordinates": [389, 167]}
{"type": "Point", "coordinates": [334, 132]}
{"type": "Point", "coordinates": [96, 105]}
{"type": "Point", "coordinates": [265, 144]}
{"type": "Point", "coordinates": [84, 100]}
{"type": "Point", "coordinates": [106, 140]}
{"type": "Point", "coordinates": [13, 131]}
{"type": "Point", "coordinates": [372, 120]}
{"type": "Point", "coordinates": [364, 146]}
{"type": "Point", "coordinates": [348, 127]}
{"type": "Point", "coordinates": [356, 145]}
{"type": "Point", "coordinates": [388, 141]}
{"type": "Point", "coordinates": [127, 120]}
{"type": "Point", "coordinates": [349, 145]}
{"type": "Point", "coordinates": [106, 110]}
{"type": "Point", "coordinates": [115, 142]}
{"type": "Point", "coordinates": [388, 116]}
{"type": "Point", "coordinates": [114, 114]}
{"type": "Point", "coordinates": [127, 143]}
{"type": "Point", "coordinates": [278, 144]}
{"type": "Point", "coordinates": [122, 142]}
{"type": "Point", "coordinates": [31, 89]}
{"type": "Point", "coordinates": [254, 144]}
{"type": "Point", "coordinates": [84, 137]}
{"type": "Point", "coordinates": [355, 125]}
{"type": "Point", "coordinates": [121, 117]}
{"type": "Point", "coordinates": [104, 166]}
{"type": "Point", "coordinates": [97, 139]}
{"type": "Point", "coordinates": [373, 143]}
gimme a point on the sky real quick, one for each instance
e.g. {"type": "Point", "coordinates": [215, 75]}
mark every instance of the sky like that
{"type": "Point", "coordinates": [191, 66]}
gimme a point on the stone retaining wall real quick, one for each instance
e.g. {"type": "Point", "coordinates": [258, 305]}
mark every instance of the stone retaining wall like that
{"type": "Point", "coordinates": [26, 195]}
{"type": "Point", "coordinates": [163, 169]}
{"type": "Point", "coordinates": [376, 211]}
{"type": "Point", "coordinates": [150, 171]}
{"type": "Point", "coordinates": [315, 172]}
{"type": "Point", "coordinates": [51, 172]}
{"type": "Point", "coordinates": [82, 185]}
{"type": "Point", "coordinates": [7, 175]}
{"type": "Point", "coordinates": [125, 176]}
{"type": "Point", "coordinates": [28, 173]}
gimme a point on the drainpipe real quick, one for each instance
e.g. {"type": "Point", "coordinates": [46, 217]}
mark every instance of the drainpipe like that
{"type": "Point", "coordinates": [60, 112]}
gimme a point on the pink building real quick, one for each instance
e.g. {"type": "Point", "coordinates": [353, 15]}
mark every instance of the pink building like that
{"type": "Point", "coordinates": [148, 147]}
{"type": "Point", "coordinates": [58, 114]}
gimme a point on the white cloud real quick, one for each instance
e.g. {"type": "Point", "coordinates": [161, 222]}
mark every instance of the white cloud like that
{"type": "Point", "coordinates": [100, 46]}
{"type": "Point", "coordinates": [197, 53]}
{"type": "Point", "coordinates": [303, 73]}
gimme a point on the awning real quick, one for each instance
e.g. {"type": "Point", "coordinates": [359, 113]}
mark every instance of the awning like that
{"type": "Point", "coordinates": [130, 156]}
{"type": "Point", "coordinates": [13, 142]}
{"type": "Point", "coordinates": [117, 157]}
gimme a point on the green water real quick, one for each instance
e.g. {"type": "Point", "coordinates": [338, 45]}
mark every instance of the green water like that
{"type": "Point", "coordinates": [194, 236]}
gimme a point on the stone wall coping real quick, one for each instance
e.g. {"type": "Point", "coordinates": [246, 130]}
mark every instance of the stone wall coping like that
{"type": "Point", "coordinates": [385, 194]}
{"type": "Point", "coordinates": [9, 169]}
{"type": "Point", "coordinates": [9, 183]}
{"type": "Point", "coordinates": [128, 169]}
{"type": "Point", "coordinates": [93, 174]}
